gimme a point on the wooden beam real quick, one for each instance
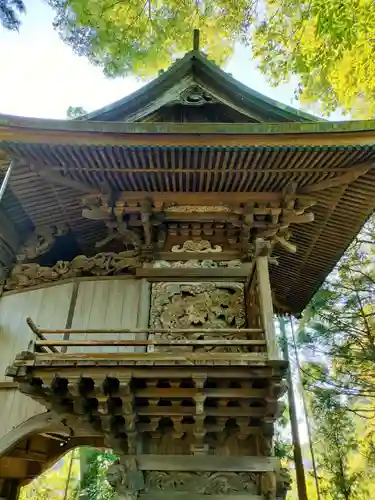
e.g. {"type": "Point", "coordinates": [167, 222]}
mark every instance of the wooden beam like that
{"type": "Point", "coordinates": [61, 180]}
{"type": "Point", "coordinates": [12, 468]}
{"type": "Point", "coordinates": [39, 335]}
{"type": "Point", "coordinates": [213, 463]}
{"type": "Point", "coordinates": [150, 356]}
{"type": "Point", "coordinates": [209, 393]}
{"type": "Point", "coordinates": [266, 305]}
{"type": "Point", "coordinates": [45, 421]}
{"type": "Point", "coordinates": [209, 199]}
{"type": "Point", "coordinates": [6, 386]}
{"type": "Point", "coordinates": [171, 343]}
{"type": "Point", "coordinates": [218, 256]}
{"type": "Point", "coordinates": [349, 176]}
{"type": "Point", "coordinates": [183, 331]}
{"type": "Point", "coordinates": [36, 131]}
{"type": "Point", "coordinates": [192, 274]}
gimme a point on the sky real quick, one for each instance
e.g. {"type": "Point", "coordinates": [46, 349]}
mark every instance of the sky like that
{"type": "Point", "coordinates": [41, 77]}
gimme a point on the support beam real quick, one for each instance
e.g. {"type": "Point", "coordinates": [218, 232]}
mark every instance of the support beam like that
{"type": "Point", "coordinates": [216, 463]}
{"type": "Point", "coordinates": [265, 299]}
{"type": "Point", "coordinates": [61, 180]}
{"type": "Point", "coordinates": [339, 180]}
{"type": "Point", "coordinates": [6, 180]}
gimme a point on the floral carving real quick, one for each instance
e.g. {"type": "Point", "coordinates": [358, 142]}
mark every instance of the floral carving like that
{"type": "Point", "coordinates": [198, 208]}
{"type": "Point", "coordinates": [200, 305]}
{"type": "Point", "coordinates": [102, 264]}
{"type": "Point", "coordinates": [197, 246]}
{"type": "Point", "coordinates": [119, 231]}
{"type": "Point", "coordinates": [209, 483]}
{"type": "Point", "coordinates": [207, 263]}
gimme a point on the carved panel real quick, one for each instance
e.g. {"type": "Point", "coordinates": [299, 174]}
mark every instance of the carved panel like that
{"type": "Point", "coordinates": [102, 264]}
{"type": "Point", "coordinates": [188, 305]}
{"type": "Point", "coordinates": [198, 305]}
{"type": "Point", "coordinates": [195, 263]}
{"type": "Point", "coordinates": [197, 246]}
{"type": "Point", "coordinates": [208, 483]}
{"type": "Point", "coordinates": [40, 242]}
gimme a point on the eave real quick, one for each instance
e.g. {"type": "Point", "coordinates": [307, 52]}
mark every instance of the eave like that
{"type": "Point", "coordinates": [309, 134]}
{"type": "Point", "coordinates": [152, 157]}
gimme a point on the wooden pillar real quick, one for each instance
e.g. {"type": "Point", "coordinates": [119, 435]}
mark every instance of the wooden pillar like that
{"type": "Point", "coordinates": [9, 489]}
{"type": "Point", "coordinates": [265, 299]}
{"type": "Point", "coordinates": [297, 452]}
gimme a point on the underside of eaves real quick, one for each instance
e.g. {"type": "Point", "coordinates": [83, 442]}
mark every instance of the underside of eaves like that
{"type": "Point", "coordinates": [195, 131]}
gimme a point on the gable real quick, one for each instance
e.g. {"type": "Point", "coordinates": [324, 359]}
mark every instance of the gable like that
{"type": "Point", "coordinates": [196, 90]}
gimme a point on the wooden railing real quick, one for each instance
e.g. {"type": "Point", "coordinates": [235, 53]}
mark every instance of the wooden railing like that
{"type": "Point", "coordinates": [42, 344]}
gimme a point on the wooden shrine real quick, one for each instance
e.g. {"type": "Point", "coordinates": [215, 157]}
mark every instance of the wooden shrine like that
{"type": "Point", "coordinates": [145, 250]}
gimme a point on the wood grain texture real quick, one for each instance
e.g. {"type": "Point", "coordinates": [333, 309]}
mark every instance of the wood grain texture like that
{"type": "Point", "coordinates": [48, 308]}
{"type": "Point", "coordinates": [109, 304]}
{"type": "Point", "coordinates": [212, 463]}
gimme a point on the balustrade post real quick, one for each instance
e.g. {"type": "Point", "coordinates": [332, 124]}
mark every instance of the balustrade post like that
{"type": "Point", "coordinates": [265, 299]}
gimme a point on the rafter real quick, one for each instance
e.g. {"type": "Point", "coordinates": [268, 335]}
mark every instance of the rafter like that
{"type": "Point", "coordinates": [63, 180]}
{"type": "Point", "coordinates": [339, 180]}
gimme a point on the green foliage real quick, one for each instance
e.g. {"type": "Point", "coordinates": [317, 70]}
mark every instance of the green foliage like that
{"type": "Point", "coordinates": [94, 485]}
{"type": "Point", "coordinates": [74, 112]}
{"type": "Point", "coordinates": [328, 44]}
{"type": "Point", "coordinates": [142, 37]}
{"type": "Point", "coordinates": [337, 337]}
{"type": "Point", "coordinates": [9, 13]}
{"type": "Point", "coordinates": [339, 324]}
{"type": "Point", "coordinates": [54, 482]}
{"type": "Point", "coordinates": [335, 441]}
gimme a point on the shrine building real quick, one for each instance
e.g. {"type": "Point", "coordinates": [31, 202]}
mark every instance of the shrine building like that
{"type": "Point", "coordinates": [145, 251]}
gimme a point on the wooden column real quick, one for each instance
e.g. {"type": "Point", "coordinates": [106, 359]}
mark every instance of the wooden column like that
{"type": "Point", "coordinates": [265, 299]}
{"type": "Point", "coordinates": [9, 489]}
{"type": "Point", "coordinates": [297, 450]}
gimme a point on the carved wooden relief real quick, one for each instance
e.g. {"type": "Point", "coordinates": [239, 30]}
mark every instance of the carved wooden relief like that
{"type": "Point", "coordinates": [208, 483]}
{"type": "Point", "coordinates": [102, 264]}
{"type": "Point", "coordinates": [40, 242]}
{"type": "Point", "coordinates": [185, 305]}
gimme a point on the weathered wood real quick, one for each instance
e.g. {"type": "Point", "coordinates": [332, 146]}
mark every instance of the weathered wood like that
{"type": "Point", "coordinates": [266, 306]}
{"type": "Point", "coordinates": [32, 456]}
{"type": "Point", "coordinates": [219, 256]}
{"type": "Point", "coordinates": [72, 306]}
{"type": "Point", "coordinates": [297, 449]}
{"type": "Point", "coordinates": [61, 180]}
{"type": "Point", "coordinates": [213, 463]}
{"type": "Point", "coordinates": [209, 393]}
{"type": "Point", "coordinates": [155, 356]}
{"type": "Point", "coordinates": [261, 371]}
{"type": "Point", "coordinates": [340, 180]}
{"type": "Point", "coordinates": [5, 386]}
{"type": "Point", "coordinates": [216, 274]}
{"type": "Point", "coordinates": [177, 342]}
{"type": "Point", "coordinates": [182, 331]}
{"type": "Point", "coordinates": [38, 334]}
{"type": "Point", "coordinates": [12, 467]}
{"type": "Point", "coordinates": [180, 495]}
{"type": "Point", "coordinates": [205, 198]}
{"type": "Point", "coordinates": [171, 411]}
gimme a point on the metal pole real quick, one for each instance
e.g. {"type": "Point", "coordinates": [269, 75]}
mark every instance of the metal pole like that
{"type": "Point", "coordinates": [300, 473]}
{"type": "Point", "coordinates": [6, 180]}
